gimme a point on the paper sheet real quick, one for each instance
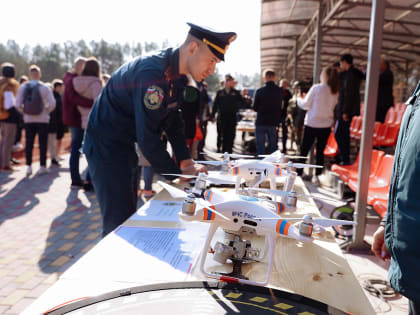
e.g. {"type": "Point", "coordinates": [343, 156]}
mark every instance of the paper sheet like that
{"type": "Point", "coordinates": [158, 210]}
{"type": "Point", "coordinates": [166, 245]}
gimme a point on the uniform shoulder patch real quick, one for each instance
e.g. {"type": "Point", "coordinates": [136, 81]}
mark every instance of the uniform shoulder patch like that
{"type": "Point", "coordinates": [153, 97]}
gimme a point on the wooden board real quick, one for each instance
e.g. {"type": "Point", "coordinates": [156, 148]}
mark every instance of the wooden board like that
{"type": "Point", "coordinates": [318, 271]}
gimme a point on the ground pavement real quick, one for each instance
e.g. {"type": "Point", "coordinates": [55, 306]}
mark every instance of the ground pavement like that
{"type": "Point", "coordinates": [44, 228]}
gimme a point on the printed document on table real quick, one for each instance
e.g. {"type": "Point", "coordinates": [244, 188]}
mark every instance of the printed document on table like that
{"type": "Point", "coordinates": [143, 255]}
{"type": "Point", "coordinates": [158, 210]}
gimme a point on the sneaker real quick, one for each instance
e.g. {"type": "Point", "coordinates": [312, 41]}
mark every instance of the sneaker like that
{"type": "Point", "coordinates": [28, 170]}
{"type": "Point", "coordinates": [77, 185]}
{"type": "Point", "coordinates": [7, 169]}
{"type": "Point", "coordinates": [14, 161]}
{"type": "Point", "coordinates": [55, 162]}
{"type": "Point", "coordinates": [88, 186]}
{"type": "Point", "coordinates": [147, 194]}
{"type": "Point", "coordinates": [42, 171]}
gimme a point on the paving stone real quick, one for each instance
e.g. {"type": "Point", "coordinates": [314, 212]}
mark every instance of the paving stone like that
{"type": "Point", "coordinates": [14, 297]}
{"type": "Point", "coordinates": [21, 305]}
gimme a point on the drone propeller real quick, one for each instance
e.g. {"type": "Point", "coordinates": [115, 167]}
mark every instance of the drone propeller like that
{"type": "Point", "coordinates": [282, 193]}
{"type": "Point", "coordinates": [214, 180]}
{"type": "Point", "coordinates": [301, 165]}
{"type": "Point", "coordinates": [232, 155]}
{"type": "Point", "coordinates": [321, 221]}
{"type": "Point", "coordinates": [173, 191]}
{"type": "Point", "coordinates": [288, 156]}
{"type": "Point", "coordinates": [215, 163]}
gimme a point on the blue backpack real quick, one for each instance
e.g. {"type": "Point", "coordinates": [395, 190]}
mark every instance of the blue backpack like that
{"type": "Point", "coordinates": [32, 99]}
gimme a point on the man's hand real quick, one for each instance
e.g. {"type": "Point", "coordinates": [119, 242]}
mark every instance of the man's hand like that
{"type": "Point", "coordinates": [378, 244]}
{"type": "Point", "coordinates": [346, 117]}
{"type": "Point", "coordinates": [189, 167]}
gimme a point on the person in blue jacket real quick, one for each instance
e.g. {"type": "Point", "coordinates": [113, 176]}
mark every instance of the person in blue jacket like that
{"type": "Point", "coordinates": [399, 233]}
{"type": "Point", "coordinates": [139, 102]}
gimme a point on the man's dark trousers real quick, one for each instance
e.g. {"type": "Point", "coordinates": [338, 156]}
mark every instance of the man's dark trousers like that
{"type": "Point", "coordinates": [110, 178]}
{"type": "Point", "coordinates": [342, 136]}
{"type": "Point", "coordinates": [31, 129]}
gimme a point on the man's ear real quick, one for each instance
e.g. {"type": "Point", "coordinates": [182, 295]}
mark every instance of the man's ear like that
{"type": "Point", "coordinates": [193, 48]}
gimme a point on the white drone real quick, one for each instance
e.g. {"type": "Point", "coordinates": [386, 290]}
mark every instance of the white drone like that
{"type": "Point", "coordinates": [242, 219]}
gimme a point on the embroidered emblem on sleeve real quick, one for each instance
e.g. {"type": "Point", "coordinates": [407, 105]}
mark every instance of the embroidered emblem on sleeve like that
{"type": "Point", "coordinates": [153, 97]}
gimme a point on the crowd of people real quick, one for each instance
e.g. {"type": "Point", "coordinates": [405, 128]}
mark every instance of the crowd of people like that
{"type": "Point", "coordinates": [66, 104]}
{"type": "Point", "coordinates": [49, 110]}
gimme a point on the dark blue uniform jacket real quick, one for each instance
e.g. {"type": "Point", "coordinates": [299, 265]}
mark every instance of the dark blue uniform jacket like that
{"type": "Point", "coordinates": [139, 102]}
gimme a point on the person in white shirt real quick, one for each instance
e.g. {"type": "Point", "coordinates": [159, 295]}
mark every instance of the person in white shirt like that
{"type": "Point", "coordinates": [36, 123]}
{"type": "Point", "coordinates": [319, 104]}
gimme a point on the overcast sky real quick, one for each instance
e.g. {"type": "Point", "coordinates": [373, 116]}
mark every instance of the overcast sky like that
{"type": "Point", "coordinates": [32, 22]}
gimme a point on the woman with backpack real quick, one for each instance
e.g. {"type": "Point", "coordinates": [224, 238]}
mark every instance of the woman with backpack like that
{"type": "Point", "coordinates": [88, 85]}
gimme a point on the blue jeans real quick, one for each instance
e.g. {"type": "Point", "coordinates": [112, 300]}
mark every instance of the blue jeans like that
{"type": "Point", "coordinates": [260, 133]}
{"type": "Point", "coordinates": [147, 176]}
{"type": "Point", "coordinates": [76, 144]}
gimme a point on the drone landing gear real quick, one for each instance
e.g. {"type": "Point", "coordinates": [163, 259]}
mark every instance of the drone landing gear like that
{"type": "Point", "coordinates": [236, 271]}
{"type": "Point", "coordinates": [224, 252]}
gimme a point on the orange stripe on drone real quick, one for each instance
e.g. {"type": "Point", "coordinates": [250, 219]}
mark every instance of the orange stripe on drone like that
{"type": "Point", "coordinates": [282, 227]}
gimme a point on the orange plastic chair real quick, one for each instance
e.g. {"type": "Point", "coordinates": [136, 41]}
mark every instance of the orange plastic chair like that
{"type": "Point", "coordinates": [380, 135]}
{"type": "Point", "coordinates": [347, 172]}
{"type": "Point", "coordinates": [331, 149]}
{"type": "Point", "coordinates": [344, 171]}
{"type": "Point", "coordinates": [391, 135]}
{"type": "Point", "coordinates": [390, 115]}
{"type": "Point", "coordinates": [381, 177]}
{"type": "Point", "coordinates": [357, 127]}
{"type": "Point", "coordinates": [380, 206]}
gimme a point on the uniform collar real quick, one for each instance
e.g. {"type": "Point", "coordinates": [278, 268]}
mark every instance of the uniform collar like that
{"type": "Point", "coordinates": [172, 71]}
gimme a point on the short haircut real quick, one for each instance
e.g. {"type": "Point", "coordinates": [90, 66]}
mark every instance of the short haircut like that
{"type": "Point", "coordinates": [34, 68]}
{"type": "Point", "coordinates": [347, 58]}
{"type": "Point", "coordinates": [23, 79]}
{"type": "Point", "coordinates": [56, 82]}
{"type": "Point", "coordinates": [269, 73]}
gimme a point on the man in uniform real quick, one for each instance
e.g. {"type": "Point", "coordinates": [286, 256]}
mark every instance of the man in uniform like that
{"type": "Point", "coordinates": [139, 102]}
{"type": "Point", "coordinates": [226, 105]}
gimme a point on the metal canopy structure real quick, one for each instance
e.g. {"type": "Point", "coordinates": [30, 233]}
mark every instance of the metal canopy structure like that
{"type": "Point", "coordinates": [290, 26]}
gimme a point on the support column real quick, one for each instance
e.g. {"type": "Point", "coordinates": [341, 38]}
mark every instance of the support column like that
{"type": "Point", "coordinates": [371, 95]}
{"type": "Point", "coordinates": [295, 60]}
{"type": "Point", "coordinates": [318, 41]}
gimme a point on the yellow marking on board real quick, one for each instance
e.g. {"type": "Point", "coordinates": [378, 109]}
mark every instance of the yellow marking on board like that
{"type": "Point", "coordinates": [258, 299]}
{"type": "Point", "coordinates": [283, 306]}
{"type": "Point", "coordinates": [306, 313]}
{"type": "Point", "coordinates": [256, 305]}
{"type": "Point", "coordinates": [233, 295]}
